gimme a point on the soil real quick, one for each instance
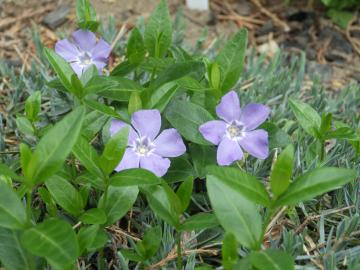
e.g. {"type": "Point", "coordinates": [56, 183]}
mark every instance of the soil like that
{"type": "Point", "coordinates": [332, 53]}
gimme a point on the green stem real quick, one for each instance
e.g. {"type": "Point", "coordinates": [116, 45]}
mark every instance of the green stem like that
{"type": "Point", "coordinates": [178, 249]}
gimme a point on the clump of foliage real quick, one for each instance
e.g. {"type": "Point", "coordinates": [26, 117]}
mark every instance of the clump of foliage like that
{"type": "Point", "coordinates": [74, 197]}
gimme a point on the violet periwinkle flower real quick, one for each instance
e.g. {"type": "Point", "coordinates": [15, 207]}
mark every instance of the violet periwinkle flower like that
{"type": "Point", "coordinates": [236, 131]}
{"type": "Point", "coordinates": [146, 149]}
{"type": "Point", "coordinates": [83, 51]}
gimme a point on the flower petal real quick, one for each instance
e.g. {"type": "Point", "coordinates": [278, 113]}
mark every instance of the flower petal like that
{"type": "Point", "coordinates": [213, 131]}
{"type": "Point", "coordinates": [77, 68]}
{"type": "Point", "coordinates": [129, 160]}
{"type": "Point", "coordinates": [253, 115]}
{"type": "Point", "coordinates": [115, 127]}
{"type": "Point", "coordinates": [256, 143]}
{"type": "Point", "coordinates": [156, 164]}
{"type": "Point", "coordinates": [169, 144]}
{"type": "Point", "coordinates": [100, 65]}
{"type": "Point", "coordinates": [229, 107]}
{"type": "Point", "coordinates": [66, 50]}
{"type": "Point", "coordinates": [147, 123]}
{"type": "Point", "coordinates": [228, 152]}
{"type": "Point", "coordinates": [86, 40]}
{"type": "Point", "coordinates": [101, 51]}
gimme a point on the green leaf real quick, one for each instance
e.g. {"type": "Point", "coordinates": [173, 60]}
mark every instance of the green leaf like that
{"type": "Point", "coordinates": [272, 260]}
{"type": "Point", "coordinates": [278, 138]}
{"type": "Point", "coordinates": [6, 171]}
{"type": "Point", "coordinates": [135, 103]}
{"type": "Point", "coordinates": [62, 68]}
{"type": "Point", "coordinates": [164, 202]}
{"type": "Point", "coordinates": [186, 117]}
{"type": "Point", "coordinates": [32, 106]}
{"type": "Point", "coordinates": [231, 60]}
{"type": "Point", "coordinates": [134, 177]}
{"type": "Point", "coordinates": [184, 193]}
{"type": "Point", "coordinates": [229, 252]}
{"type": "Point", "coordinates": [325, 126]}
{"type": "Point", "coordinates": [119, 200]}
{"type": "Point", "coordinates": [12, 211]}
{"type": "Point", "coordinates": [25, 158]}
{"type": "Point", "coordinates": [180, 170]}
{"type": "Point", "coordinates": [202, 157]}
{"type": "Point", "coordinates": [65, 195]}
{"type": "Point", "coordinates": [191, 84]}
{"type": "Point", "coordinates": [308, 118]}
{"type": "Point", "coordinates": [175, 72]}
{"type": "Point", "coordinates": [89, 73]}
{"type": "Point", "coordinates": [78, 88]}
{"type": "Point", "coordinates": [199, 221]}
{"type": "Point", "coordinates": [135, 47]}
{"type": "Point", "coordinates": [345, 133]}
{"type": "Point", "coordinates": [55, 241]}
{"type": "Point", "coordinates": [282, 171]}
{"type": "Point", "coordinates": [158, 31]}
{"type": "Point", "coordinates": [245, 184]}
{"type": "Point", "coordinates": [340, 17]}
{"type": "Point", "coordinates": [55, 146]}
{"type": "Point", "coordinates": [114, 87]}
{"type": "Point", "coordinates": [91, 238]}
{"type": "Point", "coordinates": [235, 213]}
{"type": "Point", "coordinates": [88, 156]}
{"type": "Point", "coordinates": [106, 110]}
{"type": "Point", "coordinates": [114, 151]}
{"type": "Point", "coordinates": [314, 183]}
{"type": "Point", "coordinates": [150, 244]}
{"type": "Point", "coordinates": [124, 68]}
{"type": "Point", "coordinates": [161, 97]}
{"type": "Point", "coordinates": [24, 125]}
{"type": "Point", "coordinates": [86, 15]}
{"type": "Point", "coordinates": [93, 123]}
{"type": "Point", "coordinates": [93, 216]}
{"type": "Point", "coordinates": [12, 254]}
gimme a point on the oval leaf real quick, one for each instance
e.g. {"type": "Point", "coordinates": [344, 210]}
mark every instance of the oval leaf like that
{"type": "Point", "coordinates": [134, 177]}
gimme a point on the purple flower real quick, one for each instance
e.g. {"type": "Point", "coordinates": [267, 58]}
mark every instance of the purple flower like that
{"type": "Point", "coordinates": [83, 51]}
{"type": "Point", "coordinates": [237, 131]}
{"type": "Point", "coordinates": [146, 149]}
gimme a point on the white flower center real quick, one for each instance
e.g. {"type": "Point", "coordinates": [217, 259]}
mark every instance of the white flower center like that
{"type": "Point", "coordinates": [85, 59]}
{"type": "Point", "coordinates": [234, 130]}
{"type": "Point", "coordinates": [143, 146]}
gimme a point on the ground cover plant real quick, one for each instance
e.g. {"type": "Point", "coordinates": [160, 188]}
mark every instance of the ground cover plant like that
{"type": "Point", "coordinates": [176, 159]}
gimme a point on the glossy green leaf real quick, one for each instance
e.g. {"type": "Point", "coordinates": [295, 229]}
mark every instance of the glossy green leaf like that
{"type": "Point", "coordinates": [235, 213]}
{"type": "Point", "coordinates": [65, 195]}
{"type": "Point", "coordinates": [55, 241]}
{"type": "Point", "coordinates": [186, 117]}
{"type": "Point", "coordinates": [282, 171]}
{"type": "Point", "coordinates": [61, 67]}
{"type": "Point", "coordinates": [202, 157]}
{"type": "Point", "coordinates": [93, 123]}
{"type": "Point", "coordinates": [245, 184]}
{"type": "Point", "coordinates": [231, 60]}
{"type": "Point", "coordinates": [86, 15]}
{"type": "Point", "coordinates": [25, 158]}
{"type": "Point", "coordinates": [307, 117]}
{"type": "Point", "coordinates": [88, 156]}
{"type": "Point", "coordinates": [91, 238]}
{"type": "Point", "coordinates": [314, 183]}
{"type": "Point", "coordinates": [135, 103]}
{"type": "Point", "coordinates": [55, 146]}
{"type": "Point", "coordinates": [119, 200]}
{"type": "Point", "coordinates": [180, 169]}
{"type": "Point", "coordinates": [134, 177]}
{"type": "Point", "coordinates": [24, 125]}
{"type": "Point", "coordinates": [93, 216]}
{"type": "Point", "coordinates": [229, 252]}
{"type": "Point", "coordinates": [164, 202]}
{"type": "Point", "coordinates": [199, 221]}
{"type": "Point", "coordinates": [135, 47]}
{"type": "Point", "coordinates": [12, 211]}
{"type": "Point", "coordinates": [6, 171]}
{"type": "Point", "coordinates": [272, 260]}
{"type": "Point", "coordinates": [184, 192]}
{"type": "Point", "coordinates": [278, 138]}
{"type": "Point", "coordinates": [114, 151]}
{"type": "Point", "coordinates": [106, 110]}
{"type": "Point", "coordinates": [32, 106]}
{"type": "Point", "coordinates": [150, 243]}
{"type": "Point", "coordinates": [12, 255]}
{"type": "Point", "coordinates": [114, 87]}
{"type": "Point", "coordinates": [160, 97]}
{"type": "Point", "coordinates": [158, 31]}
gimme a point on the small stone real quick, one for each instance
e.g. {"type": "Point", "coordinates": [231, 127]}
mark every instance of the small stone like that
{"type": "Point", "coordinates": [57, 17]}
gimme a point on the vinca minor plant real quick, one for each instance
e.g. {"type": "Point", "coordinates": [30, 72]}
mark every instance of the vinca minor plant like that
{"type": "Point", "coordinates": [116, 177]}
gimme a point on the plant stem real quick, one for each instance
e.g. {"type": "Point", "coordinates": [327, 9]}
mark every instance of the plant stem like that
{"type": "Point", "coordinates": [178, 249]}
